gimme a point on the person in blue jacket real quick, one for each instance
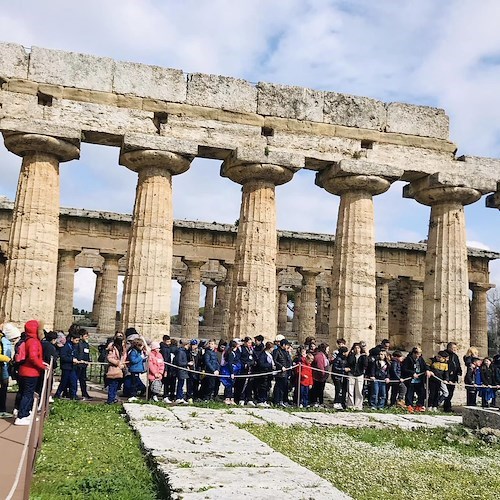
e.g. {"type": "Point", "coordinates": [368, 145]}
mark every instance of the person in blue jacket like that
{"type": "Point", "coordinates": [69, 362]}
{"type": "Point", "coordinates": [212, 365]}
{"type": "Point", "coordinates": [181, 361]}
{"type": "Point", "coordinates": [136, 357]}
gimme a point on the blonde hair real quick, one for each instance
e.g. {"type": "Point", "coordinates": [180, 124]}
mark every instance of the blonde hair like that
{"type": "Point", "coordinates": [472, 352]}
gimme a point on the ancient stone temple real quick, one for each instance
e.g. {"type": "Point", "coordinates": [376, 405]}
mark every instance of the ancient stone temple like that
{"type": "Point", "coordinates": [161, 119]}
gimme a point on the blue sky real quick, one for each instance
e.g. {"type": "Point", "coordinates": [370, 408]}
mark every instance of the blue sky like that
{"type": "Point", "coordinates": [440, 53]}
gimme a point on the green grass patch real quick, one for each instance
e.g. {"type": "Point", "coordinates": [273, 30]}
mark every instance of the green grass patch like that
{"type": "Point", "coordinates": [90, 452]}
{"type": "Point", "coordinates": [366, 463]}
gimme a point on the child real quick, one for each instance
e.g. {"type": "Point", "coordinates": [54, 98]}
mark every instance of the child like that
{"type": "Point", "coordinates": [379, 374]}
{"type": "Point", "coordinates": [398, 388]}
{"type": "Point", "coordinates": [156, 369]}
{"type": "Point", "coordinates": [306, 379]}
{"type": "Point", "coordinates": [487, 376]}
{"type": "Point", "coordinates": [472, 379]}
{"type": "Point", "coordinates": [438, 391]}
{"type": "Point", "coordinates": [339, 377]}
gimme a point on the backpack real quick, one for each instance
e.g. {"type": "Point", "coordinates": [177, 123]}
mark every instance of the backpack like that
{"type": "Point", "coordinates": [102, 358]}
{"type": "Point", "coordinates": [18, 359]}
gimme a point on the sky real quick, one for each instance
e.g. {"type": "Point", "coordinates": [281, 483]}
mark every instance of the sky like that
{"type": "Point", "coordinates": [440, 53]}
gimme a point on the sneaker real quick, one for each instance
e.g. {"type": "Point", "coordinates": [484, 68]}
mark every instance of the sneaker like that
{"type": "Point", "coordinates": [264, 404]}
{"type": "Point", "coordinates": [337, 406]}
{"type": "Point", "coordinates": [133, 399]}
{"type": "Point", "coordinates": [420, 409]}
{"type": "Point", "coordinates": [155, 398]}
{"type": "Point", "coordinates": [87, 398]}
{"type": "Point", "coordinates": [23, 421]}
{"type": "Point", "coordinates": [301, 406]}
{"type": "Point", "coordinates": [51, 399]}
{"type": "Point", "coordinates": [410, 409]}
{"type": "Point", "coordinates": [15, 412]}
{"type": "Point", "coordinates": [180, 402]}
{"type": "Point", "coordinates": [4, 414]}
{"type": "Point", "coordinates": [250, 403]}
{"type": "Point", "coordinates": [166, 400]}
{"type": "Point", "coordinates": [401, 404]}
{"type": "Point", "coordinates": [242, 403]}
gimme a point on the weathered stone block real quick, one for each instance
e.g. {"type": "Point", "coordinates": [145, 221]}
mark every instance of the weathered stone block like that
{"type": "Point", "coordinates": [133, 142]}
{"type": "Point", "coordinates": [71, 69]}
{"type": "Point", "coordinates": [13, 61]}
{"type": "Point", "coordinates": [290, 102]}
{"type": "Point", "coordinates": [149, 81]}
{"type": "Point", "coordinates": [417, 120]}
{"type": "Point", "coordinates": [361, 167]}
{"type": "Point", "coordinates": [41, 127]}
{"type": "Point", "coordinates": [477, 418]}
{"type": "Point", "coordinates": [354, 111]}
{"type": "Point", "coordinates": [223, 92]}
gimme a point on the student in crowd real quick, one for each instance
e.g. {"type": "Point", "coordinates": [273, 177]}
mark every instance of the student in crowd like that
{"type": "Point", "coordinates": [357, 363]}
{"type": "Point", "coordinates": [181, 362]}
{"type": "Point", "coordinates": [487, 393]}
{"type": "Point", "coordinates": [339, 378]}
{"type": "Point", "coordinates": [397, 386]}
{"type": "Point", "coordinates": [83, 355]}
{"type": "Point", "coordinates": [9, 334]}
{"type": "Point", "coordinates": [117, 363]}
{"type": "Point", "coordinates": [320, 374]}
{"type": "Point", "coordinates": [136, 357]}
{"type": "Point", "coordinates": [193, 365]}
{"type": "Point", "coordinates": [265, 364]}
{"type": "Point", "coordinates": [165, 346]}
{"type": "Point", "coordinates": [171, 378]}
{"type": "Point", "coordinates": [69, 364]}
{"type": "Point", "coordinates": [212, 366]}
{"type": "Point", "coordinates": [379, 376]}
{"type": "Point", "coordinates": [156, 369]}
{"type": "Point", "coordinates": [438, 389]}
{"type": "Point", "coordinates": [243, 387]}
{"type": "Point", "coordinates": [299, 358]}
{"type": "Point", "coordinates": [414, 369]}
{"type": "Point", "coordinates": [472, 352]}
{"type": "Point", "coordinates": [454, 373]}
{"type": "Point", "coordinates": [230, 366]}
{"type": "Point", "coordinates": [283, 362]}
{"type": "Point", "coordinates": [306, 379]}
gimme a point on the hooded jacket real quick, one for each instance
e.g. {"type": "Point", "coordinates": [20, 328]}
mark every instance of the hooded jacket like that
{"type": "Point", "coordinates": [33, 365]}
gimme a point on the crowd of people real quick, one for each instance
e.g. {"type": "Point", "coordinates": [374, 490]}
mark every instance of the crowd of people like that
{"type": "Point", "coordinates": [251, 371]}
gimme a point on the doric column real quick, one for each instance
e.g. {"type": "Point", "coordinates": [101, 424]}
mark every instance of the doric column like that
{"type": "Point", "coordinates": [479, 317]}
{"type": "Point", "coordinates": [191, 301]}
{"type": "Point", "coordinates": [107, 295]}
{"type": "Point", "coordinates": [31, 274]}
{"type": "Point", "coordinates": [3, 262]}
{"type": "Point", "coordinates": [97, 291]}
{"type": "Point", "coordinates": [220, 293]}
{"type": "Point", "coordinates": [297, 309]}
{"type": "Point", "coordinates": [208, 316]}
{"type": "Point", "coordinates": [413, 335]}
{"type": "Point", "coordinates": [253, 298]}
{"type": "Point", "coordinates": [307, 317]}
{"type": "Point", "coordinates": [446, 285]}
{"type": "Point", "coordinates": [353, 303]}
{"type": "Point", "coordinates": [282, 310]}
{"type": "Point", "coordinates": [148, 283]}
{"type": "Point", "coordinates": [227, 305]}
{"type": "Point", "coordinates": [382, 308]}
{"type": "Point", "coordinates": [63, 317]}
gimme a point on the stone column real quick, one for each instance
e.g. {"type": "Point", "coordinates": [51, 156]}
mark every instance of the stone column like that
{"type": "Point", "coordinates": [208, 315]}
{"type": "Point", "coordinates": [148, 283]}
{"type": "Point", "coordinates": [413, 335]}
{"type": "Point", "coordinates": [97, 291]}
{"type": "Point", "coordinates": [353, 303]}
{"type": "Point", "coordinates": [253, 298]}
{"type": "Point", "coordinates": [220, 293]}
{"type": "Point", "coordinates": [282, 310]}
{"type": "Point", "coordinates": [31, 273]}
{"type": "Point", "coordinates": [307, 318]}
{"type": "Point", "coordinates": [63, 317]}
{"type": "Point", "coordinates": [296, 309]}
{"type": "Point", "coordinates": [382, 309]}
{"type": "Point", "coordinates": [3, 262]}
{"type": "Point", "coordinates": [479, 317]}
{"type": "Point", "coordinates": [107, 295]}
{"type": "Point", "coordinates": [227, 306]}
{"type": "Point", "coordinates": [446, 285]}
{"type": "Point", "coordinates": [191, 302]}
{"type": "Point", "coordinates": [182, 295]}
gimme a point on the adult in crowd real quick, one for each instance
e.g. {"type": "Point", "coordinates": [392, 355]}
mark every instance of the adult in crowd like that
{"type": "Point", "coordinates": [283, 362]}
{"type": "Point", "coordinates": [265, 364]}
{"type": "Point", "coordinates": [357, 362]}
{"type": "Point", "coordinates": [230, 366]}
{"type": "Point", "coordinates": [156, 368]}
{"type": "Point", "coordinates": [414, 369]}
{"type": "Point", "coordinates": [320, 375]}
{"type": "Point", "coordinates": [193, 381]}
{"type": "Point", "coordinates": [212, 366]}
{"type": "Point", "coordinates": [9, 334]}
{"type": "Point", "coordinates": [379, 375]}
{"type": "Point", "coordinates": [69, 363]}
{"type": "Point", "coordinates": [171, 378]}
{"type": "Point", "coordinates": [83, 356]}
{"type": "Point", "coordinates": [339, 377]}
{"type": "Point", "coordinates": [243, 386]}
{"type": "Point", "coordinates": [454, 373]}
{"type": "Point", "coordinates": [30, 370]}
{"type": "Point", "coordinates": [117, 363]}
{"type": "Point", "coordinates": [398, 387]}
{"type": "Point", "coordinates": [181, 362]}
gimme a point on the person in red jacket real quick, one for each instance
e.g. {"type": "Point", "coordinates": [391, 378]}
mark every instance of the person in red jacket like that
{"type": "Point", "coordinates": [30, 370]}
{"type": "Point", "coordinates": [306, 379]}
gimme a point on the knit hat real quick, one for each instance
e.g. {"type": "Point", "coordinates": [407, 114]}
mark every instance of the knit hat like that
{"type": "Point", "coordinates": [155, 345]}
{"type": "Point", "coordinates": [131, 331]}
{"type": "Point", "coordinates": [279, 338]}
{"type": "Point", "coordinates": [10, 331]}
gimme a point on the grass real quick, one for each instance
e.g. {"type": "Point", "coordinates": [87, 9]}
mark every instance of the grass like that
{"type": "Point", "coordinates": [393, 463]}
{"type": "Point", "coordinates": [90, 452]}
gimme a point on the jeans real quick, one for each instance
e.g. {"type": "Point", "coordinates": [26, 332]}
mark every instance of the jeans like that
{"type": "Point", "coordinates": [69, 380]}
{"type": "Point", "coordinates": [27, 396]}
{"type": "Point", "coordinates": [304, 395]}
{"type": "Point", "coordinates": [81, 372]}
{"type": "Point", "coordinates": [379, 392]}
{"type": "Point", "coordinates": [180, 388]}
{"type": "Point", "coordinates": [113, 385]}
{"type": "Point", "coordinates": [417, 389]}
{"type": "Point", "coordinates": [280, 390]}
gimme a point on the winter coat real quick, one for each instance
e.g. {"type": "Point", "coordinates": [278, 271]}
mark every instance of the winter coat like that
{"type": "Point", "coordinates": [338, 366]}
{"type": "Point", "coordinates": [83, 351]}
{"type": "Point", "coordinates": [156, 365]}
{"type": "Point", "coordinates": [136, 361]}
{"type": "Point", "coordinates": [410, 367]}
{"type": "Point", "coordinates": [357, 367]}
{"type": "Point", "coordinates": [181, 360]}
{"type": "Point", "coordinates": [5, 357]}
{"type": "Point", "coordinates": [440, 369]}
{"type": "Point", "coordinates": [33, 365]}
{"type": "Point", "coordinates": [306, 374]}
{"type": "Point", "coordinates": [454, 367]}
{"type": "Point", "coordinates": [247, 357]}
{"type": "Point", "coordinates": [282, 359]}
{"type": "Point", "coordinates": [116, 363]}
{"type": "Point", "coordinates": [395, 370]}
{"type": "Point", "coordinates": [379, 370]}
{"type": "Point", "coordinates": [211, 361]}
{"type": "Point", "coordinates": [67, 354]}
{"type": "Point", "coordinates": [50, 352]}
{"type": "Point", "coordinates": [320, 362]}
{"type": "Point", "coordinates": [265, 362]}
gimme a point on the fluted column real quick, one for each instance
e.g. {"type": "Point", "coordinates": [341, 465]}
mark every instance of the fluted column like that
{"type": "Point", "coordinates": [97, 291]}
{"type": "Point", "coordinates": [297, 309]}
{"type": "Point", "coordinates": [148, 283]}
{"type": "Point", "coordinates": [227, 304]}
{"type": "Point", "coordinates": [413, 335]}
{"type": "Point", "coordinates": [208, 316]}
{"type": "Point", "coordinates": [3, 262]}
{"type": "Point", "coordinates": [31, 273]}
{"type": "Point", "coordinates": [479, 317]}
{"type": "Point", "coordinates": [63, 317]}
{"type": "Point", "coordinates": [108, 294]}
{"type": "Point", "coordinates": [307, 318]}
{"type": "Point", "coordinates": [353, 303]}
{"type": "Point", "coordinates": [220, 293]}
{"type": "Point", "coordinates": [446, 285]}
{"type": "Point", "coordinates": [382, 309]}
{"type": "Point", "coordinates": [191, 302]}
{"type": "Point", "coordinates": [282, 310]}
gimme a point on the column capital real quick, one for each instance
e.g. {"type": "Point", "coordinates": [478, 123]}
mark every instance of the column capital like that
{"type": "Point", "coordinates": [308, 272]}
{"type": "Point", "coordinates": [257, 172]}
{"type": "Point", "coordinates": [23, 144]}
{"type": "Point", "coordinates": [107, 256]}
{"type": "Point", "coordinates": [137, 160]}
{"type": "Point", "coordinates": [193, 263]}
{"type": "Point", "coordinates": [382, 278]}
{"type": "Point", "coordinates": [481, 287]}
{"type": "Point", "coordinates": [440, 188]}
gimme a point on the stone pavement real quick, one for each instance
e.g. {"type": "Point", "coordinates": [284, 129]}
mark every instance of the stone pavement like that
{"type": "Point", "coordinates": [202, 454]}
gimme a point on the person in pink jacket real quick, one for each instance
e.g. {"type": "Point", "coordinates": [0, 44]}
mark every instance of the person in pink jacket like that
{"type": "Point", "coordinates": [156, 370]}
{"type": "Point", "coordinates": [30, 369]}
